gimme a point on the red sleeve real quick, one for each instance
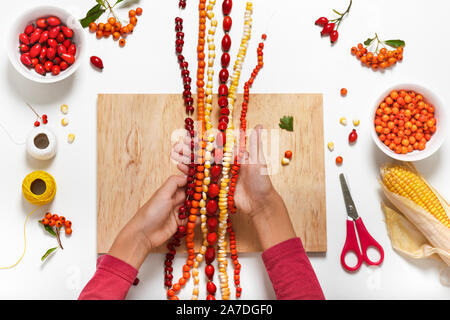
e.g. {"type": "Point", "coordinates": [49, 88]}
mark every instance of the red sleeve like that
{"type": "Point", "coordinates": [111, 281]}
{"type": "Point", "coordinates": [291, 273]}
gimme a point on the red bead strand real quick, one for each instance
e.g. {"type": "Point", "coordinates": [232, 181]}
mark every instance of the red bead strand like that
{"type": "Point", "coordinates": [236, 166]}
{"type": "Point", "coordinates": [183, 210]}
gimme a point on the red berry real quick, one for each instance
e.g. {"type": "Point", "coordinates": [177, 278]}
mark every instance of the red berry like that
{"type": "Point", "coordinates": [334, 36]}
{"type": "Point", "coordinates": [223, 75]}
{"type": "Point", "coordinates": [211, 287]}
{"type": "Point", "coordinates": [215, 172]}
{"type": "Point", "coordinates": [53, 32]}
{"type": "Point", "coordinates": [209, 271]}
{"type": "Point", "coordinates": [327, 29]}
{"type": "Point", "coordinates": [56, 70]}
{"type": "Point", "coordinates": [211, 238]}
{"type": "Point", "coordinates": [353, 136]}
{"type": "Point", "coordinates": [226, 7]}
{"type": "Point", "coordinates": [52, 43]}
{"type": "Point", "coordinates": [24, 38]}
{"type": "Point", "coordinates": [210, 297]}
{"type": "Point", "coordinates": [35, 50]}
{"type": "Point", "coordinates": [67, 32]}
{"type": "Point", "coordinates": [67, 57]}
{"type": "Point", "coordinates": [97, 62]}
{"type": "Point", "coordinates": [51, 53]}
{"type": "Point", "coordinates": [44, 37]}
{"type": "Point", "coordinates": [41, 23]}
{"type": "Point", "coordinates": [63, 65]}
{"type": "Point", "coordinates": [60, 37]}
{"type": "Point", "coordinates": [37, 124]}
{"type": "Point", "coordinates": [322, 21]}
{"type": "Point", "coordinates": [211, 206]}
{"type": "Point", "coordinates": [35, 36]}
{"type": "Point", "coordinates": [227, 22]}
{"type": "Point", "coordinates": [34, 62]}
{"type": "Point", "coordinates": [213, 190]}
{"type": "Point", "coordinates": [24, 48]}
{"type": "Point", "coordinates": [210, 254]}
{"type": "Point", "coordinates": [40, 69]}
{"type": "Point", "coordinates": [226, 42]}
{"type": "Point", "coordinates": [48, 65]}
{"type": "Point", "coordinates": [72, 49]}
{"type": "Point", "coordinates": [225, 59]}
{"type": "Point", "coordinates": [212, 223]}
{"type": "Point", "coordinates": [53, 21]}
{"type": "Point", "coordinates": [29, 29]}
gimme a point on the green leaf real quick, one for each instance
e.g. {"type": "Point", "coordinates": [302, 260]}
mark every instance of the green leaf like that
{"type": "Point", "coordinates": [368, 42]}
{"type": "Point", "coordinates": [48, 229]}
{"type": "Point", "coordinates": [93, 14]}
{"type": "Point", "coordinates": [287, 123]}
{"type": "Point", "coordinates": [335, 11]}
{"type": "Point", "coordinates": [101, 2]}
{"type": "Point", "coordinates": [117, 2]}
{"type": "Point", "coordinates": [395, 43]}
{"type": "Point", "coordinates": [49, 252]}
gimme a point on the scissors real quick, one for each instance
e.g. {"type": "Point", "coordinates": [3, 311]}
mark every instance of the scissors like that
{"type": "Point", "coordinates": [365, 239]}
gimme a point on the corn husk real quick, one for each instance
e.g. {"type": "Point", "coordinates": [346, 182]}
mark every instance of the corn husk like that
{"type": "Point", "coordinates": [433, 230]}
{"type": "Point", "coordinates": [406, 238]}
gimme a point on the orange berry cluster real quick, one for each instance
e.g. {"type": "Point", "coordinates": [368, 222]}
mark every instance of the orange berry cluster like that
{"type": "Point", "coordinates": [404, 121]}
{"type": "Point", "coordinates": [115, 28]}
{"type": "Point", "coordinates": [381, 60]}
{"type": "Point", "coordinates": [53, 220]}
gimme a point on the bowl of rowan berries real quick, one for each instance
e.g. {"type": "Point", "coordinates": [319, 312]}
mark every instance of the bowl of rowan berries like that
{"type": "Point", "coordinates": [46, 44]}
{"type": "Point", "coordinates": [409, 122]}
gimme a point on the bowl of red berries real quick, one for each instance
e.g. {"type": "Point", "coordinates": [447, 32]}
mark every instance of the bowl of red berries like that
{"type": "Point", "coordinates": [409, 122]}
{"type": "Point", "coordinates": [46, 44]}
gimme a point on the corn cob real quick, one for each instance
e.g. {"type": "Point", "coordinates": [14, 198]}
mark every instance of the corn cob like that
{"type": "Point", "coordinates": [407, 183]}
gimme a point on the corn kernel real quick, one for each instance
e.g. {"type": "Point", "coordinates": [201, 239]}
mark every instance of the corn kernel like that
{"type": "Point", "coordinates": [70, 138]}
{"type": "Point", "coordinates": [330, 146]}
{"type": "Point", "coordinates": [64, 122]}
{"type": "Point", "coordinates": [285, 161]}
{"type": "Point", "coordinates": [356, 122]}
{"type": "Point", "coordinates": [343, 121]}
{"type": "Point", "coordinates": [64, 108]}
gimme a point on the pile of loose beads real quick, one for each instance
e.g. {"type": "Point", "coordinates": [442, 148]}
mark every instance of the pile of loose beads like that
{"type": "Point", "coordinates": [228, 156]}
{"type": "Point", "coordinates": [199, 176]}
{"type": "Point", "coordinates": [209, 237]}
{"type": "Point", "coordinates": [189, 126]}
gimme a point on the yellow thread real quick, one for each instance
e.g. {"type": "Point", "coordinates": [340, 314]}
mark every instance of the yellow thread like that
{"type": "Point", "coordinates": [44, 185]}
{"type": "Point", "coordinates": [39, 188]}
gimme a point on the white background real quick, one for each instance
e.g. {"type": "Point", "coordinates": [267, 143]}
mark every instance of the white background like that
{"type": "Point", "coordinates": [297, 60]}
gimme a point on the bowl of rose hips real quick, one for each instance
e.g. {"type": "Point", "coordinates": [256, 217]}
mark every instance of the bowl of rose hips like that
{"type": "Point", "coordinates": [409, 122]}
{"type": "Point", "coordinates": [45, 44]}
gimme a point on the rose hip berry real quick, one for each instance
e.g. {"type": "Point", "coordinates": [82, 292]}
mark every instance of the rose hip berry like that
{"type": "Point", "coordinates": [330, 27]}
{"type": "Point", "coordinates": [97, 62]}
{"type": "Point", "coordinates": [46, 46]}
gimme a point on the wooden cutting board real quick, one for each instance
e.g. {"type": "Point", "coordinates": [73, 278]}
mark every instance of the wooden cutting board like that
{"type": "Point", "coordinates": [134, 134]}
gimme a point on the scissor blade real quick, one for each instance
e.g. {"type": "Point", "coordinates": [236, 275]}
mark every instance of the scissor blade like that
{"type": "Point", "coordinates": [349, 204]}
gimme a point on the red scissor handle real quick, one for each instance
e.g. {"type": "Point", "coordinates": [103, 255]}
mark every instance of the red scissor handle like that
{"type": "Point", "coordinates": [366, 241]}
{"type": "Point", "coordinates": [351, 244]}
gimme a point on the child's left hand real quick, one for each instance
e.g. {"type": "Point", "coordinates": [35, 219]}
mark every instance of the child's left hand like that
{"type": "Point", "coordinates": [152, 225]}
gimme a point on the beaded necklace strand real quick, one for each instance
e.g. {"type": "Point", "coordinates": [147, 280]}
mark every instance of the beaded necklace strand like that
{"type": "Point", "coordinates": [189, 126]}
{"type": "Point", "coordinates": [209, 237]}
{"type": "Point", "coordinates": [199, 176]}
{"type": "Point", "coordinates": [236, 166]}
{"type": "Point", "coordinates": [228, 156]}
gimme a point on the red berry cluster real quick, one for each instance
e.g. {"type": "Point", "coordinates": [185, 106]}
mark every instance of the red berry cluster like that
{"type": "Point", "coordinates": [182, 4]}
{"type": "Point", "coordinates": [330, 26]}
{"type": "Point", "coordinates": [47, 46]}
{"type": "Point", "coordinates": [183, 211]}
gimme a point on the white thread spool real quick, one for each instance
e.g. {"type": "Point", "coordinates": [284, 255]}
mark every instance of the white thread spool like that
{"type": "Point", "coordinates": [41, 144]}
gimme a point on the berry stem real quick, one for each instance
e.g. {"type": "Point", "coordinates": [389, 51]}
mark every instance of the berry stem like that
{"type": "Point", "coordinates": [339, 20]}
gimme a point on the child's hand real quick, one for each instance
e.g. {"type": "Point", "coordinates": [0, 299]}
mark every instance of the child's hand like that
{"type": "Point", "coordinates": [254, 187]}
{"type": "Point", "coordinates": [152, 225]}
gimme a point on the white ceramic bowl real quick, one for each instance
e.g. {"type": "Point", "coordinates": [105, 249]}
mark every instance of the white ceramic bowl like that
{"type": "Point", "coordinates": [30, 16]}
{"type": "Point", "coordinates": [441, 124]}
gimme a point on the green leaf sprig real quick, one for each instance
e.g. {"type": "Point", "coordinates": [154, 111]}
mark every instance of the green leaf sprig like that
{"type": "Point", "coordinates": [396, 43]}
{"type": "Point", "coordinates": [96, 11]}
{"type": "Point", "coordinates": [48, 252]}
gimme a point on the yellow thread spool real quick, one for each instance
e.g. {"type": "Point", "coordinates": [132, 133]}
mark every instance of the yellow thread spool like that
{"type": "Point", "coordinates": [39, 188]}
